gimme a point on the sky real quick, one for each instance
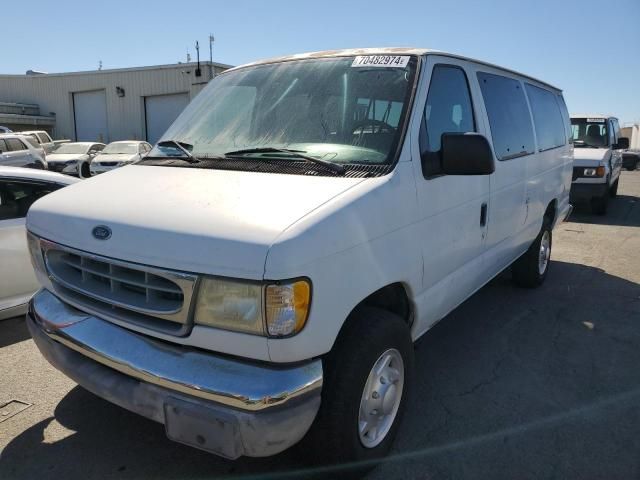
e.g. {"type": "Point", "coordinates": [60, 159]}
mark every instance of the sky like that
{"type": "Point", "coordinates": [588, 48]}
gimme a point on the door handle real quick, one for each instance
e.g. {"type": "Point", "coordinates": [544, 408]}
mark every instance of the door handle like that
{"type": "Point", "coordinates": [483, 215]}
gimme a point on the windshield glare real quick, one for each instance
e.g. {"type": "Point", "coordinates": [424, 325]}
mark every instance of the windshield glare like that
{"type": "Point", "coordinates": [71, 148]}
{"type": "Point", "coordinates": [115, 148]}
{"type": "Point", "coordinates": [591, 132]}
{"type": "Point", "coordinates": [325, 108]}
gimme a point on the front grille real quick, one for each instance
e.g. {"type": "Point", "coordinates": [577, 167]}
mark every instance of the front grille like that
{"type": "Point", "coordinates": [147, 296]}
{"type": "Point", "coordinates": [108, 164]}
{"type": "Point", "coordinates": [577, 172]}
{"type": "Point", "coordinates": [56, 167]}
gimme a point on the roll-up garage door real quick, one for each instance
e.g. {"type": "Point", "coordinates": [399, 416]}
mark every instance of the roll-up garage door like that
{"type": "Point", "coordinates": [90, 113]}
{"type": "Point", "coordinates": [161, 111]}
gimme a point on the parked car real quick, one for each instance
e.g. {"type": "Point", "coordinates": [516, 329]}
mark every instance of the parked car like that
{"type": "Point", "coordinates": [42, 138]}
{"type": "Point", "coordinates": [17, 150]}
{"type": "Point", "coordinates": [74, 158]}
{"type": "Point", "coordinates": [5, 129]}
{"type": "Point", "coordinates": [261, 276]}
{"type": "Point", "coordinates": [630, 159]}
{"type": "Point", "coordinates": [19, 188]}
{"type": "Point", "coordinates": [119, 154]}
{"type": "Point", "coordinates": [598, 160]}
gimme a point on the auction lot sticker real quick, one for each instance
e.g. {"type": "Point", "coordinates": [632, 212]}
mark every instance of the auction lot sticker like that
{"type": "Point", "coordinates": [394, 61]}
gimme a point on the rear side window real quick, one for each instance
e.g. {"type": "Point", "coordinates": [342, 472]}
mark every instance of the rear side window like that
{"type": "Point", "coordinates": [44, 137]}
{"type": "Point", "coordinates": [14, 144]}
{"type": "Point", "coordinates": [546, 117]}
{"type": "Point", "coordinates": [566, 120]}
{"type": "Point", "coordinates": [3, 146]}
{"type": "Point", "coordinates": [448, 110]}
{"type": "Point", "coordinates": [508, 113]}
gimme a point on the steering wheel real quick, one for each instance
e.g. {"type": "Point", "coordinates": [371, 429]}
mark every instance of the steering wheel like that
{"type": "Point", "coordinates": [383, 127]}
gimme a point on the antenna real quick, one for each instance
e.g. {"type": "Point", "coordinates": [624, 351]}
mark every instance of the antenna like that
{"type": "Point", "coordinates": [188, 56]}
{"type": "Point", "coordinates": [99, 64]}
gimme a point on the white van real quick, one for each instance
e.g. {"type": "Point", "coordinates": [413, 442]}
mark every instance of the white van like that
{"type": "Point", "coordinates": [260, 276]}
{"type": "Point", "coordinates": [598, 160]}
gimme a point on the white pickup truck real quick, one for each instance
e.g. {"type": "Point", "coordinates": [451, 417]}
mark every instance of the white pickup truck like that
{"type": "Point", "coordinates": [261, 275]}
{"type": "Point", "coordinates": [598, 160]}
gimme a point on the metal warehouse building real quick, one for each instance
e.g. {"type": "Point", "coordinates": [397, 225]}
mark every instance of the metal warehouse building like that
{"type": "Point", "coordinates": [103, 105]}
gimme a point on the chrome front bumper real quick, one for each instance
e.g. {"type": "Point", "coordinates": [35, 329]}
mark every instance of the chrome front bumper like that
{"type": "Point", "coordinates": [225, 406]}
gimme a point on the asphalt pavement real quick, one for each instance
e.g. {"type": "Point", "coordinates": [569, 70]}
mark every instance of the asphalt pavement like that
{"type": "Point", "coordinates": [514, 383]}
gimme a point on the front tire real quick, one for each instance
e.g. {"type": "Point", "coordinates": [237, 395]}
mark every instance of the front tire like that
{"type": "Point", "coordinates": [366, 381]}
{"type": "Point", "coordinates": [530, 270]}
{"type": "Point", "coordinates": [613, 192]}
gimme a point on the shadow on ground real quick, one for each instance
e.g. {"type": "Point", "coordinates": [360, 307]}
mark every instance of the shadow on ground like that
{"type": "Point", "coordinates": [13, 330]}
{"type": "Point", "coordinates": [624, 210]}
{"type": "Point", "coordinates": [513, 384]}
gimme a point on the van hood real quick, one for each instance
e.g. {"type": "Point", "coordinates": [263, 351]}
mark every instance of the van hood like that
{"type": "Point", "coordinates": [590, 157]}
{"type": "Point", "coordinates": [115, 157]}
{"type": "Point", "coordinates": [204, 221]}
{"type": "Point", "coordinates": [65, 157]}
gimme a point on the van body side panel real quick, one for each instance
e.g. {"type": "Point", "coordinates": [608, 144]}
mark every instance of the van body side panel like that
{"type": "Point", "coordinates": [349, 247]}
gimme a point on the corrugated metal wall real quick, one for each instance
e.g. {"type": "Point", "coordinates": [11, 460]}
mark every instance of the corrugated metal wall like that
{"type": "Point", "coordinates": [125, 115]}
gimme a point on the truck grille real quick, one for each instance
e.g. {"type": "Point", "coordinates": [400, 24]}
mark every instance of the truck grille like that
{"type": "Point", "coordinates": [122, 291]}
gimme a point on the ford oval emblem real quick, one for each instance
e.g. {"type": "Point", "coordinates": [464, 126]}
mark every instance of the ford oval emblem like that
{"type": "Point", "coordinates": [101, 232]}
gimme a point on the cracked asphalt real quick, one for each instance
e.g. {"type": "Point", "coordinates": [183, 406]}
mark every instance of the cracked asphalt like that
{"type": "Point", "coordinates": [514, 383]}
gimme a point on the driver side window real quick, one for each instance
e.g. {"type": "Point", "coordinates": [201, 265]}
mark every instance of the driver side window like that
{"type": "Point", "coordinates": [448, 110]}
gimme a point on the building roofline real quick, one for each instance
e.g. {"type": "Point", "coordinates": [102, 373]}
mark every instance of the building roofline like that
{"type": "Point", "coordinates": [168, 66]}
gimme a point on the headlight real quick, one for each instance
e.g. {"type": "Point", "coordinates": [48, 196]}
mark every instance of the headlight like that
{"type": "Point", "coordinates": [35, 252]}
{"type": "Point", "coordinates": [274, 310]}
{"type": "Point", "coordinates": [594, 172]}
{"type": "Point", "coordinates": [230, 305]}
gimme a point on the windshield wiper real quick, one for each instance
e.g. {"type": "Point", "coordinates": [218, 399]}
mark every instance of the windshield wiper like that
{"type": "Point", "coordinates": [180, 146]}
{"type": "Point", "coordinates": [334, 167]}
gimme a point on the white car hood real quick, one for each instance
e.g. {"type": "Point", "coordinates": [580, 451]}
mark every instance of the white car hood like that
{"type": "Point", "coordinates": [590, 157]}
{"type": "Point", "coordinates": [65, 157]}
{"type": "Point", "coordinates": [204, 221]}
{"type": "Point", "coordinates": [115, 157]}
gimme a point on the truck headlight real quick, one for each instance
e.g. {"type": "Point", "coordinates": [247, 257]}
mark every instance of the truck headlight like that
{"type": "Point", "coordinates": [594, 172]}
{"type": "Point", "coordinates": [287, 307]}
{"type": "Point", "coordinates": [272, 309]}
{"type": "Point", "coordinates": [230, 305]}
{"type": "Point", "coordinates": [35, 252]}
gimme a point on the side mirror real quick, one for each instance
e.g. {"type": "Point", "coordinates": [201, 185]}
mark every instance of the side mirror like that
{"type": "Point", "coordinates": [623, 144]}
{"type": "Point", "coordinates": [466, 154]}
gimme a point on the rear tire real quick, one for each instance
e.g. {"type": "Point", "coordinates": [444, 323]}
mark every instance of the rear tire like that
{"type": "Point", "coordinates": [530, 270]}
{"type": "Point", "coordinates": [361, 406]}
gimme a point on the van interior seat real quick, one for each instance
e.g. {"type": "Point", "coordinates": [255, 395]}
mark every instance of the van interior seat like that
{"type": "Point", "coordinates": [594, 137]}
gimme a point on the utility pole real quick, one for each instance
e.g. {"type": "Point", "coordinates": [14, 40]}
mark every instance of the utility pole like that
{"type": "Point", "coordinates": [211, 69]}
{"type": "Point", "coordinates": [198, 71]}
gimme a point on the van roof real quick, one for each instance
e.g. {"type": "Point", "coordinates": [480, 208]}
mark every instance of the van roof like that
{"type": "Point", "coordinates": [348, 52]}
{"type": "Point", "coordinates": [592, 115]}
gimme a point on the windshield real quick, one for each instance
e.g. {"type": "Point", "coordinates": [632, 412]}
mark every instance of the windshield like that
{"type": "Point", "coordinates": [590, 132]}
{"type": "Point", "coordinates": [331, 109]}
{"type": "Point", "coordinates": [72, 148]}
{"type": "Point", "coordinates": [121, 147]}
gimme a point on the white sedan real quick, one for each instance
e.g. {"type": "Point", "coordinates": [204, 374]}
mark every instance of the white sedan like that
{"type": "Point", "coordinates": [19, 188]}
{"type": "Point", "coordinates": [119, 154]}
{"type": "Point", "coordinates": [74, 158]}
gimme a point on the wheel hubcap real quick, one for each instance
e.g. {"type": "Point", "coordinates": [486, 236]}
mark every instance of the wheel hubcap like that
{"type": "Point", "coordinates": [545, 252]}
{"type": "Point", "coordinates": [381, 398]}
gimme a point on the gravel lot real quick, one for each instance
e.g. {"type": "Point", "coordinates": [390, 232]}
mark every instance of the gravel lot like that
{"type": "Point", "coordinates": [513, 384]}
